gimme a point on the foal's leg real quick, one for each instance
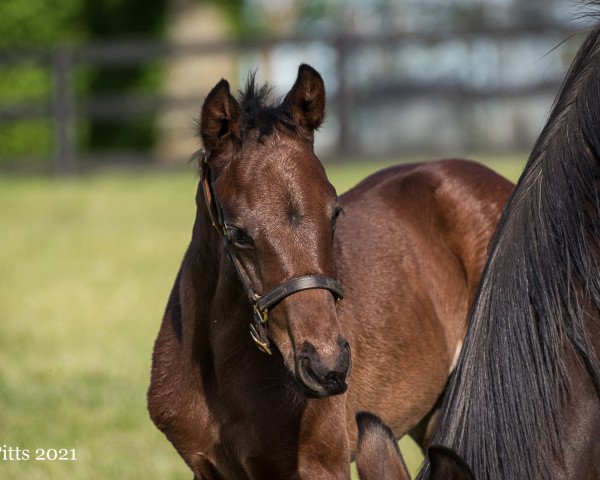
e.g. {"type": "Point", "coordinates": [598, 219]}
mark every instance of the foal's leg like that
{"type": "Point", "coordinates": [323, 447]}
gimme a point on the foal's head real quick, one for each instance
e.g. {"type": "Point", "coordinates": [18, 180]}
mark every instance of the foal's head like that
{"type": "Point", "coordinates": [281, 211]}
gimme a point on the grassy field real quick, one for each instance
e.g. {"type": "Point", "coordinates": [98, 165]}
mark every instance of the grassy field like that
{"type": "Point", "coordinates": [86, 265]}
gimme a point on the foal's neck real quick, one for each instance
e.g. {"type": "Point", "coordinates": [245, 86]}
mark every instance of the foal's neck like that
{"type": "Point", "coordinates": [222, 311]}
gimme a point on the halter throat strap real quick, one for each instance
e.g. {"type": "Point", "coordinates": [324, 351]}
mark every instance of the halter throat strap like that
{"type": "Point", "coordinates": [261, 303]}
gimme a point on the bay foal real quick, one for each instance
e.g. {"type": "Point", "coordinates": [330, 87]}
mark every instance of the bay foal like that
{"type": "Point", "coordinates": [408, 249]}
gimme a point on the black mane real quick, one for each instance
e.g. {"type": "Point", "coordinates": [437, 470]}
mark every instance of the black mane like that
{"type": "Point", "coordinates": [261, 111]}
{"type": "Point", "coordinates": [539, 292]}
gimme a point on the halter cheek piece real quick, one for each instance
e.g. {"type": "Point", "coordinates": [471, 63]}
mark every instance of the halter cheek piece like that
{"type": "Point", "coordinates": [260, 303]}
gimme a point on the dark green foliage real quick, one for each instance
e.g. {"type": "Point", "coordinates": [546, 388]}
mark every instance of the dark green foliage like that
{"type": "Point", "coordinates": [31, 23]}
{"type": "Point", "coordinates": [39, 22]}
{"type": "Point", "coordinates": [44, 23]}
{"type": "Point", "coordinates": [116, 19]}
{"type": "Point", "coordinates": [119, 18]}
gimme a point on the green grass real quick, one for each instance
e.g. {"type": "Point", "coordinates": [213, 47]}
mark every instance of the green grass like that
{"type": "Point", "coordinates": [85, 269]}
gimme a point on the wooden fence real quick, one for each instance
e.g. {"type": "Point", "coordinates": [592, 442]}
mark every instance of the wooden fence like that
{"type": "Point", "coordinates": [65, 110]}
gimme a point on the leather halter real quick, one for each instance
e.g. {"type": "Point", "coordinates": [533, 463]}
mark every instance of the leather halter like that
{"type": "Point", "coordinates": [260, 303]}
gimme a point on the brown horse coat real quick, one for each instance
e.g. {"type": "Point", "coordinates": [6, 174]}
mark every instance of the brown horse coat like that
{"type": "Point", "coordinates": [408, 250]}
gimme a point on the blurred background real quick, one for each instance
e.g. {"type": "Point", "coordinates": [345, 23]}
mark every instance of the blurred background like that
{"type": "Point", "coordinates": [98, 100]}
{"type": "Point", "coordinates": [90, 83]}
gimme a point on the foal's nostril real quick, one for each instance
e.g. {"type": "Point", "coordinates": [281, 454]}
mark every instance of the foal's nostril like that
{"type": "Point", "coordinates": [321, 376]}
{"type": "Point", "coordinates": [335, 381]}
{"type": "Point", "coordinates": [305, 365]}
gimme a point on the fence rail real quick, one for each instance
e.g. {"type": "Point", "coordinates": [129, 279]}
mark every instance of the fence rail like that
{"type": "Point", "coordinates": [64, 109]}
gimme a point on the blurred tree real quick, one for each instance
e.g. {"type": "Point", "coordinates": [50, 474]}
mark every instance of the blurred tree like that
{"type": "Point", "coordinates": [254, 17]}
{"type": "Point", "coordinates": [30, 23]}
{"type": "Point", "coordinates": [48, 22]}
{"type": "Point", "coordinates": [235, 13]}
{"type": "Point", "coordinates": [39, 22]}
{"type": "Point", "coordinates": [107, 19]}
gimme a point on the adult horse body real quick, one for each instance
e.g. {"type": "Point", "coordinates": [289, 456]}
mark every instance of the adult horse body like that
{"type": "Point", "coordinates": [408, 251]}
{"type": "Point", "coordinates": [533, 343]}
{"type": "Point", "coordinates": [524, 400]}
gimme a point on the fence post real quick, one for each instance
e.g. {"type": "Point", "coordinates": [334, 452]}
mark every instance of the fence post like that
{"type": "Point", "coordinates": [63, 112]}
{"type": "Point", "coordinates": [344, 107]}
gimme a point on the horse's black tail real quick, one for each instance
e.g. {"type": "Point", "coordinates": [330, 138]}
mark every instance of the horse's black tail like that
{"type": "Point", "coordinates": [538, 298]}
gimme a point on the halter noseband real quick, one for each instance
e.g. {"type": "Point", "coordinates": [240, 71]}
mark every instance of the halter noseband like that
{"type": "Point", "coordinates": [260, 303]}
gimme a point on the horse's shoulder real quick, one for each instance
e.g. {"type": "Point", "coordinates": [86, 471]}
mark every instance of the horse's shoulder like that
{"type": "Point", "coordinates": [473, 174]}
{"type": "Point", "coordinates": [453, 184]}
{"type": "Point", "coordinates": [451, 172]}
{"type": "Point", "coordinates": [170, 395]}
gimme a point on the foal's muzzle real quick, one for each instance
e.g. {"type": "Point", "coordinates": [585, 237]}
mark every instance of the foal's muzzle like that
{"type": "Point", "coordinates": [322, 377]}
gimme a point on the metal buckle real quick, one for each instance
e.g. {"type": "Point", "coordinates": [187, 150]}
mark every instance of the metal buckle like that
{"type": "Point", "coordinates": [260, 338]}
{"type": "Point", "coordinates": [262, 316]}
{"type": "Point", "coordinates": [262, 346]}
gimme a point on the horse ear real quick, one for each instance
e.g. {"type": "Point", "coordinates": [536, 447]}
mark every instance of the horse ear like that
{"type": "Point", "coordinates": [305, 102]}
{"type": "Point", "coordinates": [221, 118]}
{"type": "Point", "coordinates": [447, 465]}
{"type": "Point", "coordinates": [377, 453]}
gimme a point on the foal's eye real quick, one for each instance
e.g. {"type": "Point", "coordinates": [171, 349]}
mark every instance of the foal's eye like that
{"type": "Point", "coordinates": [240, 237]}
